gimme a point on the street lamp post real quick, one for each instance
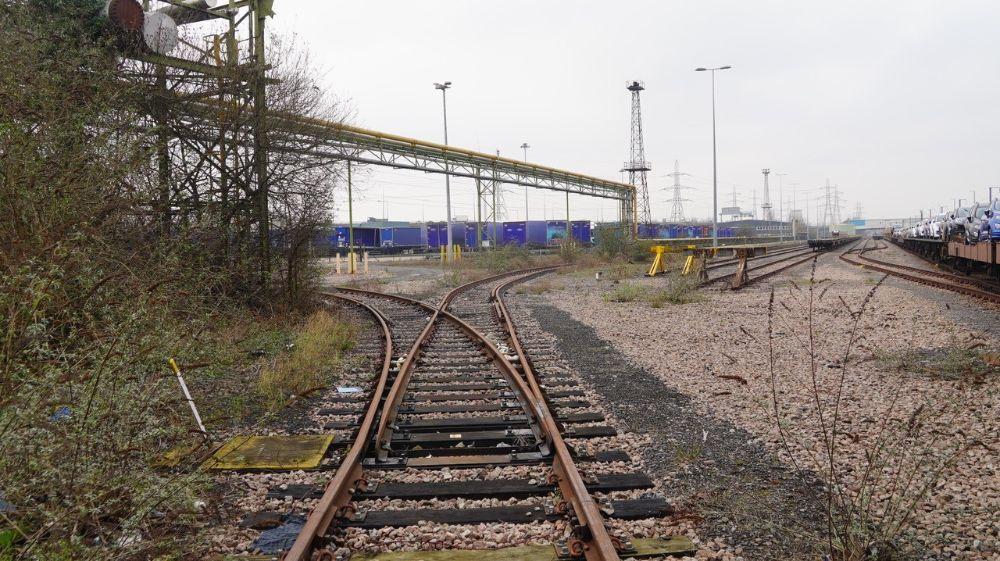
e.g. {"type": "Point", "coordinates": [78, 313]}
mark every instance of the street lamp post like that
{"type": "Point", "coordinates": [781, 208]}
{"type": "Point", "coordinates": [447, 175]}
{"type": "Point", "coordinates": [715, 169]}
{"type": "Point", "coordinates": [524, 146]}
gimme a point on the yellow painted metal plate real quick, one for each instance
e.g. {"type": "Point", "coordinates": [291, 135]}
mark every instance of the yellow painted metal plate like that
{"type": "Point", "coordinates": [646, 547]}
{"type": "Point", "coordinates": [270, 453]}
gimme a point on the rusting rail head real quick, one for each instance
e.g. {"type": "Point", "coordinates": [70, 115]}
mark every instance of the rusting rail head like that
{"type": "Point", "coordinates": [592, 539]}
{"type": "Point", "coordinates": [336, 497]}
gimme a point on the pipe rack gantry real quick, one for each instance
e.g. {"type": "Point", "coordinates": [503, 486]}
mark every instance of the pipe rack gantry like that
{"type": "Point", "coordinates": [318, 137]}
{"type": "Point", "coordinates": [345, 142]}
{"type": "Point", "coordinates": [378, 148]}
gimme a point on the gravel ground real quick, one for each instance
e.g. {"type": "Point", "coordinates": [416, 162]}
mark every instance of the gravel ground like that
{"type": "Point", "coordinates": [703, 370]}
{"type": "Point", "coordinates": [716, 472]}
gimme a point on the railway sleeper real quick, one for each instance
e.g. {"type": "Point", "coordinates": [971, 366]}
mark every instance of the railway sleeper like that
{"type": "Point", "coordinates": [480, 396]}
{"type": "Point", "coordinates": [474, 489]}
{"type": "Point", "coordinates": [485, 456]}
{"type": "Point", "coordinates": [510, 435]}
{"type": "Point", "coordinates": [634, 509]}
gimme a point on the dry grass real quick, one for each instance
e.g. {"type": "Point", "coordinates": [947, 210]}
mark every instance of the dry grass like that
{"type": "Point", "coordinates": [626, 292]}
{"type": "Point", "coordinates": [953, 362]}
{"type": "Point", "coordinates": [678, 290]}
{"type": "Point", "coordinates": [311, 359]}
{"type": "Point", "coordinates": [540, 286]}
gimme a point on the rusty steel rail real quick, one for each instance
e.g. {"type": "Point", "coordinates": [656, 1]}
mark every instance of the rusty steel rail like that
{"type": "Point", "coordinates": [811, 254]}
{"type": "Point", "coordinates": [348, 477]}
{"type": "Point", "coordinates": [336, 499]}
{"type": "Point", "coordinates": [593, 540]}
{"type": "Point", "coordinates": [734, 260]}
{"type": "Point", "coordinates": [986, 285]}
{"type": "Point", "coordinates": [936, 279]}
{"type": "Point", "coordinates": [383, 434]}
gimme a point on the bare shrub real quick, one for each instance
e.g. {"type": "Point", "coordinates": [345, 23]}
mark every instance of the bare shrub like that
{"type": "Point", "coordinates": [878, 470]}
{"type": "Point", "coordinates": [104, 274]}
{"type": "Point", "coordinates": [625, 292]}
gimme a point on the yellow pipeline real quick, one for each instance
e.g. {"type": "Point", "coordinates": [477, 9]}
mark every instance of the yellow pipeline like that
{"type": "Point", "coordinates": [443, 148]}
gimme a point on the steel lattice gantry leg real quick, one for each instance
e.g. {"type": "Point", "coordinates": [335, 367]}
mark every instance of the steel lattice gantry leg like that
{"type": "Point", "coordinates": [491, 205]}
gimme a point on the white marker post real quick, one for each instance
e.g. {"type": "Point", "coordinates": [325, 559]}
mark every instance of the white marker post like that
{"type": "Point", "coordinates": [187, 395]}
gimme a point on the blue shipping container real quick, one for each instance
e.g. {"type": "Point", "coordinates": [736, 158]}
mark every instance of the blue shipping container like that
{"type": "Point", "coordinates": [581, 231]}
{"type": "Point", "coordinates": [404, 236]}
{"type": "Point", "coordinates": [363, 237]}
{"type": "Point", "coordinates": [489, 238]}
{"type": "Point", "coordinates": [555, 232]}
{"type": "Point", "coordinates": [437, 234]}
{"type": "Point", "coordinates": [513, 233]}
{"type": "Point", "coordinates": [518, 233]}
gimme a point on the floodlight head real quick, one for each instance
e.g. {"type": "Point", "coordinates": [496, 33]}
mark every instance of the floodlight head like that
{"type": "Point", "coordinates": [725, 67]}
{"type": "Point", "coordinates": [443, 86]}
{"type": "Point", "coordinates": [700, 69]}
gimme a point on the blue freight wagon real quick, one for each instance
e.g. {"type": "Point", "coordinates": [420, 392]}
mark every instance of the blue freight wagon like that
{"type": "Point", "coordinates": [555, 232]}
{"type": "Point", "coordinates": [529, 234]}
{"type": "Point", "coordinates": [437, 234]}
{"type": "Point", "coordinates": [486, 234]}
{"type": "Point", "coordinates": [363, 237]}
{"type": "Point", "coordinates": [407, 237]}
{"type": "Point", "coordinates": [581, 232]}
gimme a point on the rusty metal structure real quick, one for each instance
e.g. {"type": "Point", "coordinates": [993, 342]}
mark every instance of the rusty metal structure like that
{"type": "Point", "coordinates": [219, 141]}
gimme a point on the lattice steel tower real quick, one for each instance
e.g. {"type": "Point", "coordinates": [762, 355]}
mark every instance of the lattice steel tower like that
{"type": "Point", "coordinates": [677, 208]}
{"type": "Point", "coordinates": [637, 166]}
{"type": "Point", "coordinates": [766, 207]}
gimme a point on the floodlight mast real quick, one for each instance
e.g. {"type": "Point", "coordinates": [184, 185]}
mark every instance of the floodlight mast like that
{"type": "Point", "coordinates": [715, 168]}
{"type": "Point", "coordinates": [447, 176]}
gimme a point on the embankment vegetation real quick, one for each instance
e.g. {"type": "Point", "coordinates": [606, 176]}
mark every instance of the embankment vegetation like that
{"type": "Point", "coordinates": [119, 249]}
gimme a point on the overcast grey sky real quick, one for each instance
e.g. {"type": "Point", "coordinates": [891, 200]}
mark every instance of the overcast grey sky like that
{"type": "Point", "coordinates": [895, 102]}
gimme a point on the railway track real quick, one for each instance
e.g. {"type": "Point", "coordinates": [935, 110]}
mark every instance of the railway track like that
{"type": "Point", "coordinates": [938, 279]}
{"type": "Point", "coordinates": [787, 260]}
{"type": "Point", "coordinates": [731, 261]}
{"type": "Point", "coordinates": [457, 391]}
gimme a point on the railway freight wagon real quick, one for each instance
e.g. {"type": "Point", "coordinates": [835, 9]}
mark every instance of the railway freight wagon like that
{"type": "Point", "coordinates": [488, 234]}
{"type": "Point", "coordinates": [437, 234]}
{"type": "Point", "coordinates": [363, 237]}
{"type": "Point", "coordinates": [555, 231]}
{"type": "Point", "coordinates": [404, 237]}
{"type": "Point", "coordinates": [581, 232]}
{"type": "Point", "coordinates": [527, 234]}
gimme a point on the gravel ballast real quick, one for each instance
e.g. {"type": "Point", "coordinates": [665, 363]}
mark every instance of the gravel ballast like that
{"type": "Point", "coordinates": [714, 354]}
